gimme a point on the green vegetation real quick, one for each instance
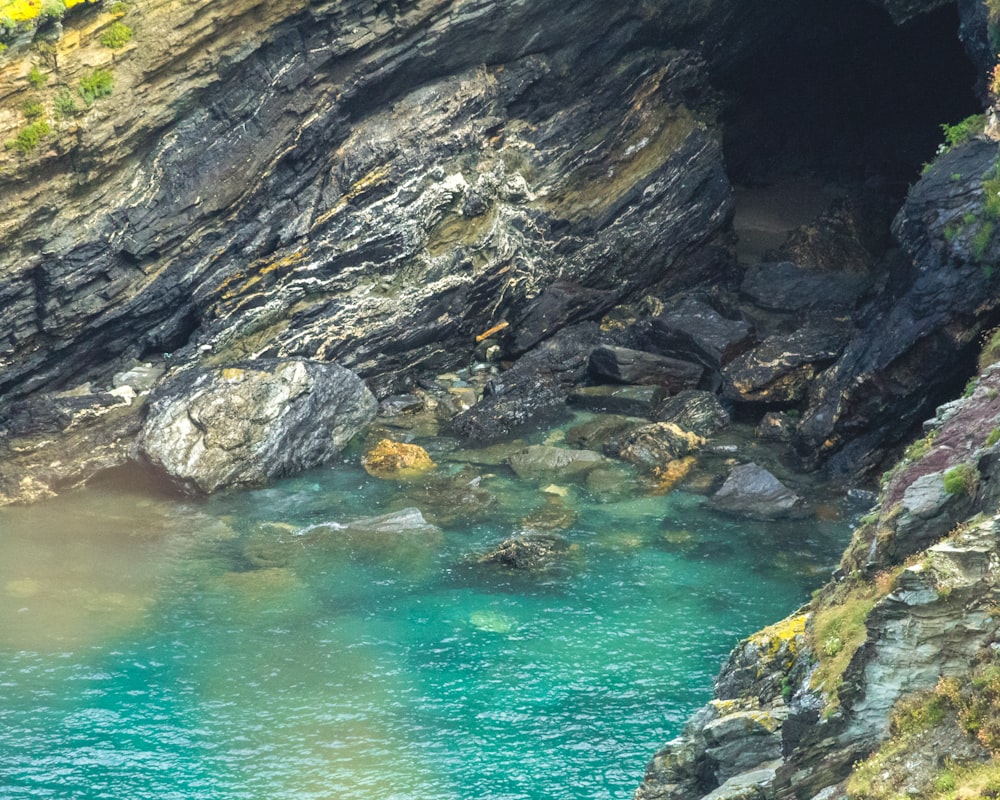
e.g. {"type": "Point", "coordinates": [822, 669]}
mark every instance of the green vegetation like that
{"type": "Point", "coordinates": [119, 8]}
{"type": "Point", "coordinates": [919, 448]}
{"type": "Point", "coordinates": [32, 109]}
{"type": "Point", "coordinates": [990, 354]}
{"type": "Point", "coordinates": [65, 105]}
{"type": "Point", "coordinates": [991, 195]}
{"type": "Point", "coordinates": [29, 136]}
{"type": "Point", "coordinates": [97, 84]}
{"type": "Point", "coordinates": [837, 629]}
{"type": "Point", "coordinates": [962, 479]}
{"type": "Point", "coordinates": [875, 778]}
{"type": "Point", "coordinates": [962, 132]}
{"type": "Point", "coordinates": [52, 9]}
{"type": "Point", "coordinates": [36, 77]}
{"type": "Point", "coordinates": [117, 35]}
{"type": "Point", "coordinates": [981, 241]}
{"type": "Point", "coordinates": [993, 438]}
{"type": "Point", "coordinates": [977, 701]}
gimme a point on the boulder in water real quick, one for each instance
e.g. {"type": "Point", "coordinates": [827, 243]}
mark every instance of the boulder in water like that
{"type": "Point", "coordinates": [539, 460]}
{"type": "Point", "coordinates": [215, 428]}
{"type": "Point", "coordinates": [530, 552]}
{"type": "Point", "coordinates": [389, 459]}
{"type": "Point", "coordinates": [654, 446]}
{"type": "Point", "coordinates": [752, 491]}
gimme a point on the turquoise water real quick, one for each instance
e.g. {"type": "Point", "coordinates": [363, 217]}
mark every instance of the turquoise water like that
{"type": "Point", "coordinates": [247, 648]}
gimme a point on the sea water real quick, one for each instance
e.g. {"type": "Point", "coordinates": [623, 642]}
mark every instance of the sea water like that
{"type": "Point", "coordinates": [250, 647]}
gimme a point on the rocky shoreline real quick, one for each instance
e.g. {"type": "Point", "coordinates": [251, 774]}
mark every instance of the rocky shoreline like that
{"type": "Point", "coordinates": [471, 214]}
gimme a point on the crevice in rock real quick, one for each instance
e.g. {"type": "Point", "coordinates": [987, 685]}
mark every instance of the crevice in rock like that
{"type": "Point", "coordinates": [850, 97]}
{"type": "Point", "coordinates": [849, 100]}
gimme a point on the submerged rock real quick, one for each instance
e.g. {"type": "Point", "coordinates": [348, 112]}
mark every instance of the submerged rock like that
{"type": "Point", "coordinates": [529, 552]}
{"type": "Point", "coordinates": [405, 521]}
{"type": "Point", "coordinates": [540, 460]}
{"type": "Point", "coordinates": [636, 401]}
{"type": "Point", "coordinates": [753, 491]}
{"type": "Point", "coordinates": [450, 499]}
{"type": "Point", "coordinates": [210, 429]}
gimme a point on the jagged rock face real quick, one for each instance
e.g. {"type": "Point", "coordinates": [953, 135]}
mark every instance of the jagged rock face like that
{"type": "Point", "coordinates": [210, 429]}
{"type": "Point", "coordinates": [377, 185]}
{"type": "Point", "coordinates": [933, 314]}
{"type": "Point", "coordinates": [926, 564]}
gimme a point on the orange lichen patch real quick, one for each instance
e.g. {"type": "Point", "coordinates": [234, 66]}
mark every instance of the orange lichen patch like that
{"type": "Point", "coordinates": [232, 374]}
{"type": "Point", "coordinates": [389, 459]}
{"type": "Point", "coordinates": [492, 331]}
{"type": "Point", "coordinates": [673, 473]}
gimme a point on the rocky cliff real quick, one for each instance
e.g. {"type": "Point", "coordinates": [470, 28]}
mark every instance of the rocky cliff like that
{"type": "Point", "coordinates": [379, 184]}
{"type": "Point", "coordinates": [196, 193]}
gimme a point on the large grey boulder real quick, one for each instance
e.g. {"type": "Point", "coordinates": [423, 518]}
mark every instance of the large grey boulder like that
{"type": "Point", "coordinates": [210, 429]}
{"type": "Point", "coordinates": [752, 491]}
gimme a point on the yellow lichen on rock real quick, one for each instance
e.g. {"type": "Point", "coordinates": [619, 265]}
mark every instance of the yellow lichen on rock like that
{"type": "Point", "coordinates": [674, 472]}
{"type": "Point", "coordinates": [389, 459]}
{"type": "Point", "coordinates": [787, 632]}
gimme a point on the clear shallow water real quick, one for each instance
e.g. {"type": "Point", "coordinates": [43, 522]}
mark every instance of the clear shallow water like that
{"type": "Point", "coordinates": [159, 649]}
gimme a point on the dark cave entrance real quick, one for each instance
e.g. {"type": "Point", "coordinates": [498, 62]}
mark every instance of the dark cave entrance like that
{"type": "Point", "coordinates": [838, 97]}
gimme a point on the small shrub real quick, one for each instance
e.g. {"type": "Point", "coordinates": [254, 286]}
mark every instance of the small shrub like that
{"type": "Point", "coordinates": [962, 479]}
{"type": "Point", "coordinates": [944, 781]}
{"type": "Point", "coordinates": [65, 105]}
{"type": "Point", "coordinates": [832, 645]}
{"type": "Point", "coordinates": [990, 353]}
{"type": "Point", "coordinates": [32, 109]}
{"type": "Point", "coordinates": [919, 448]}
{"type": "Point", "coordinates": [982, 240]}
{"type": "Point", "coordinates": [962, 132]}
{"type": "Point", "coordinates": [993, 438]}
{"type": "Point", "coordinates": [991, 195]}
{"type": "Point", "coordinates": [52, 9]}
{"type": "Point", "coordinates": [36, 77]}
{"type": "Point", "coordinates": [118, 8]}
{"type": "Point", "coordinates": [117, 35]}
{"type": "Point", "coordinates": [97, 84]}
{"type": "Point", "coordinates": [29, 136]}
{"type": "Point", "coordinates": [3, 48]}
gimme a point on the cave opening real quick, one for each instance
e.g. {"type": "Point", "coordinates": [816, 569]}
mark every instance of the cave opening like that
{"type": "Point", "coordinates": [840, 98]}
